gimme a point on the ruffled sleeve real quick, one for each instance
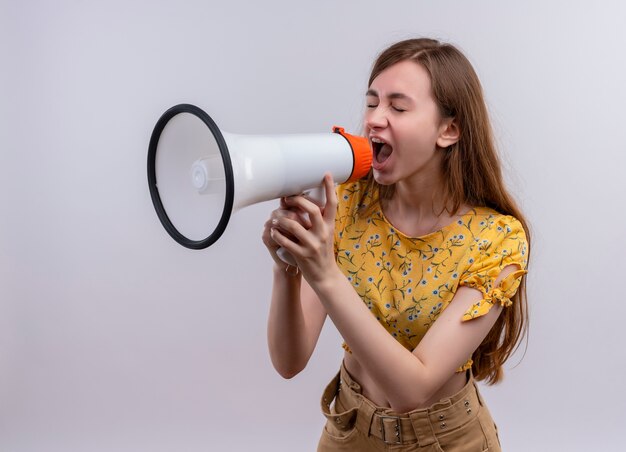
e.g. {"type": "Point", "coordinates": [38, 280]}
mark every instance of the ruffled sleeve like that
{"type": "Point", "coordinates": [502, 242]}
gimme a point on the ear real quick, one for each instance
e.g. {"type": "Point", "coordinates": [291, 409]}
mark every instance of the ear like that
{"type": "Point", "coordinates": [449, 133]}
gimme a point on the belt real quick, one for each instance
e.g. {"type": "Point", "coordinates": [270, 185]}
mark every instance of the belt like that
{"type": "Point", "coordinates": [418, 426]}
{"type": "Point", "coordinates": [421, 425]}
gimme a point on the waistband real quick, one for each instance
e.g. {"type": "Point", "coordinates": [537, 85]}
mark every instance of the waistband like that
{"type": "Point", "coordinates": [418, 426]}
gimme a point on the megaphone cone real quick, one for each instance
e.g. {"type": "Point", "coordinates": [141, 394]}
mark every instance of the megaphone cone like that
{"type": "Point", "coordinates": [198, 175]}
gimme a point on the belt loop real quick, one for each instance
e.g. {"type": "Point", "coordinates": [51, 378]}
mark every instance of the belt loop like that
{"type": "Point", "coordinates": [423, 428]}
{"type": "Point", "coordinates": [329, 394]}
{"type": "Point", "coordinates": [364, 415]}
{"type": "Point", "coordinates": [479, 396]}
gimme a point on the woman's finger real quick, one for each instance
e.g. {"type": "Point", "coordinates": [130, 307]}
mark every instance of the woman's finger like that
{"type": "Point", "coordinates": [285, 242]}
{"type": "Point", "coordinates": [294, 214]}
{"type": "Point", "coordinates": [291, 229]}
{"type": "Point", "coordinates": [308, 207]}
{"type": "Point", "coordinates": [330, 209]}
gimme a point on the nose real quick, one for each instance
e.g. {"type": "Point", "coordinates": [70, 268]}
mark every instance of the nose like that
{"type": "Point", "coordinates": [376, 117]}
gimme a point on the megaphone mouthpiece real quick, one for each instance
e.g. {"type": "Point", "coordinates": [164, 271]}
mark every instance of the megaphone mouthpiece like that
{"type": "Point", "coordinates": [361, 153]}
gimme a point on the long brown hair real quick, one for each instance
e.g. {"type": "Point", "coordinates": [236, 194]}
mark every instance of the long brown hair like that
{"type": "Point", "coordinates": [472, 174]}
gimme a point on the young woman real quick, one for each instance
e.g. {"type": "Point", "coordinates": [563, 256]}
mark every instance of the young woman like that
{"type": "Point", "coordinates": [420, 266]}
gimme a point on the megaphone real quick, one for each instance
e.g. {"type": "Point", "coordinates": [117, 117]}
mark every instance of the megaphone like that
{"type": "Point", "coordinates": [198, 175]}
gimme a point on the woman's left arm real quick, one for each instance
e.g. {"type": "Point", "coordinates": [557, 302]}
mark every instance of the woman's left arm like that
{"type": "Point", "coordinates": [407, 378]}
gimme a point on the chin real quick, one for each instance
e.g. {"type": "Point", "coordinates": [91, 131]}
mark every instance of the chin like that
{"type": "Point", "coordinates": [382, 178]}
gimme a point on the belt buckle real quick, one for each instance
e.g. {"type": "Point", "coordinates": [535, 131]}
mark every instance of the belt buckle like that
{"type": "Point", "coordinates": [398, 428]}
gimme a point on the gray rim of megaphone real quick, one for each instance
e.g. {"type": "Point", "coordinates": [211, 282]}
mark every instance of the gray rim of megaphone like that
{"type": "Point", "coordinates": [152, 179]}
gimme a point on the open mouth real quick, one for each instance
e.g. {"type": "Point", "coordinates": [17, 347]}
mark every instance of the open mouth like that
{"type": "Point", "coordinates": [382, 150]}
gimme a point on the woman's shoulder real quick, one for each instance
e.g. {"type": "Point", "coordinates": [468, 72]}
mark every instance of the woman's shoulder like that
{"type": "Point", "coordinates": [486, 220]}
{"type": "Point", "coordinates": [494, 235]}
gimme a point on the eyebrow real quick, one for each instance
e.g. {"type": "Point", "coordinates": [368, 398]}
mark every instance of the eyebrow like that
{"type": "Point", "coordinates": [371, 92]}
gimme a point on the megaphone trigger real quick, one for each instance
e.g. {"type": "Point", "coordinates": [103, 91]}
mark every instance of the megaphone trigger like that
{"type": "Point", "coordinates": [317, 195]}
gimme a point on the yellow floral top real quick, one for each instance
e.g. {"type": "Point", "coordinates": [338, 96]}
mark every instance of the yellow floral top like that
{"type": "Point", "coordinates": [408, 281]}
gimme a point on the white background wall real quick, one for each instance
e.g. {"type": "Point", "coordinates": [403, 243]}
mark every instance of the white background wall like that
{"type": "Point", "coordinates": [115, 338]}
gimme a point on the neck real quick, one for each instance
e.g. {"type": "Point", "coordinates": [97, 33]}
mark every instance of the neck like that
{"type": "Point", "coordinates": [417, 206]}
{"type": "Point", "coordinates": [420, 196]}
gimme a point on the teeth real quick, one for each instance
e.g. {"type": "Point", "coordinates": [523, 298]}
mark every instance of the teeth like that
{"type": "Point", "coordinates": [377, 140]}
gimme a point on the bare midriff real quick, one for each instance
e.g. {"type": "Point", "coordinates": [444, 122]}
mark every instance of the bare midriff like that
{"type": "Point", "coordinates": [377, 395]}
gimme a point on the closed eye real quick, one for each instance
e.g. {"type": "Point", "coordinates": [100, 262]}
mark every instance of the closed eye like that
{"type": "Point", "coordinates": [393, 107]}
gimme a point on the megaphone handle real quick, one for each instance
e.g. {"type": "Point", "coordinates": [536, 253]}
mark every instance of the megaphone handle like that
{"type": "Point", "coordinates": [286, 257]}
{"type": "Point", "coordinates": [318, 196]}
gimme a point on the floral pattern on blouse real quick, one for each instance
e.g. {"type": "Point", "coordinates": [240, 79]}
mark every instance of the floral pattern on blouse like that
{"type": "Point", "coordinates": [407, 282]}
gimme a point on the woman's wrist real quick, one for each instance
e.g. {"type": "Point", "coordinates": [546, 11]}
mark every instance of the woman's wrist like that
{"type": "Point", "coordinates": [284, 270]}
{"type": "Point", "coordinates": [328, 284]}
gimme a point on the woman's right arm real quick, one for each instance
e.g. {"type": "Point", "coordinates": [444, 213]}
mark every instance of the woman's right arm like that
{"type": "Point", "coordinates": [295, 322]}
{"type": "Point", "coordinates": [296, 314]}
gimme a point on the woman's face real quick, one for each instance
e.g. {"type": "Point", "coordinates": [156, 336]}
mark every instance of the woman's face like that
{"type": "Point", "coordinates": [404, 125]}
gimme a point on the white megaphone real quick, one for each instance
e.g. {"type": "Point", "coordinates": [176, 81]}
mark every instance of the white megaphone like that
{"type": "Point", "coordinates": [198, 175]}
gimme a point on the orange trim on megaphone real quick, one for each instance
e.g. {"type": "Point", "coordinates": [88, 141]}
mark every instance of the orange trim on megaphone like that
{"type": "Point", "coordinates": [361, 152]}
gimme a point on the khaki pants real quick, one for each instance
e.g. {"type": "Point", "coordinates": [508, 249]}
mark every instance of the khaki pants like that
{"type": "Point", "coordinates": [459, 423]}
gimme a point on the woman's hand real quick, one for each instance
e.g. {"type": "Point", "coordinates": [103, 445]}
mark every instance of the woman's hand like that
{"type": "Point", "coordinates": [284, 212]}
{"type": "Point", "coordinates": [307, 233]}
